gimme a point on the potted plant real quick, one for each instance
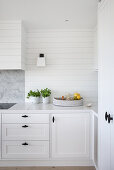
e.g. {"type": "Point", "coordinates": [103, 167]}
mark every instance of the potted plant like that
{"type": "Point", "coordinates": [46, 95]}
{"type": "Point", "coordinates": [34, 96]}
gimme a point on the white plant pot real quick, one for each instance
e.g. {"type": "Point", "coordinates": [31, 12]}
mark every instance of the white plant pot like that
{"type": "Point", "coordinates": [46, 100]}
{"type": "Point", "coordinates": [35, 99]}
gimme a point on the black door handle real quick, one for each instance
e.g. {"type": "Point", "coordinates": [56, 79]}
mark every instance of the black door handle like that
{"type": "Point", "coordinates": [24, 116]}
{"type": "Point", "coordinates": [25, 144]}
{"type": "Point", "coordinates": [106, 116]}
{"type": "Point", "coordinates": [53, 119]}
{"type": "Point", "coordinates": [109, 118]}
{"type": "Point", "coordinates": [25, 126]}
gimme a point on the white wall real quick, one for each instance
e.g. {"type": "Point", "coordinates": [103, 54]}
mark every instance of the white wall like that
{"type": "Point", "coordinates": [51, 14]}
{"type": "Point", "coordinates": [95, 50]}
{"type": "Point", "coordinates": [69, 62]}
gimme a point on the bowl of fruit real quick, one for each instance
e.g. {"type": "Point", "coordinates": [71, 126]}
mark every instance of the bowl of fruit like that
{"type": "Point", "coordinates": [68, 101]}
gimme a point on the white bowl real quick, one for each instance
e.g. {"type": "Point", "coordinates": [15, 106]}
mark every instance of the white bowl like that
{"type": "Point", "coordinates": [68, 103]}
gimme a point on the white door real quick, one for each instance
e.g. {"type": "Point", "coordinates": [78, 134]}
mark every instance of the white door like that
{"type": "Point", "coordinates": [70, 135]}
{"type": "Point", "coordinates": [112, 145]}
{"type": "Point", "coordinates": [111, 63]}
{"type": "Point", "coordinates": [106, 84]}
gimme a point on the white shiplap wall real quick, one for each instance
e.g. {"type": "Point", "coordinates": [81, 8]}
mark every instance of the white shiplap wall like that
{"type": "Point", "coordinates": [69, 62]}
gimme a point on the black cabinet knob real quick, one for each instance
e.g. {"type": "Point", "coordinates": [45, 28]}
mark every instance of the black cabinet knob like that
{"type": "Point", "coordinates": [24, 116]}
{"type": "Point", "coordinates": [25, 144]}
{"type": "Point", "coordinates": [106, 116]}
{"type": "Point", "coordinates": [53, 119]}
{"type": "Point", "coordinates": [25, 126]}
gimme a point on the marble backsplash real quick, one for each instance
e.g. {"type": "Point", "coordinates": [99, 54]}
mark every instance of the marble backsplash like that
{"type": "Point", "coordinates": [12, 86]}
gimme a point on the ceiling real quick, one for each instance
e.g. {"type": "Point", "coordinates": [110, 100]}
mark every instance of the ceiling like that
{"type": "Point", "coordinates": [51, 14]}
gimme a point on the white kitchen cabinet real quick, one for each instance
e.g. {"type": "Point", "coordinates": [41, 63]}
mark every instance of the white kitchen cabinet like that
{"type": "Point", "coordinates": [71, 136]}
{"type": "Point", "coordinates": [25, 149]}
{"type": "Point", "coordinates": [95, 142]}
{"type": "Point", "coordinates": [0, 138]}
{"type": "Point", "coordinates": [12, 45]}
{"type": "Point", "coordinates": [25, 136]}
{"type": "Point", "coordinates": [52, 138]}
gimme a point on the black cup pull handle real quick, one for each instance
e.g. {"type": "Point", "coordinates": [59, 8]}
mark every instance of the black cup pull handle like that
{"type": "Point", "coordinates": [53, 119]}
{"type": "Point", "coordinates": [24, 116]}
{"type": "Point", "coordinates": [25, 144]}
{"type": "Point", "coordinates": [25, 126]}
{"type": "Point", "coordinates": [106, 116]}
{"type": "Point", "coordinates": [109, 118]}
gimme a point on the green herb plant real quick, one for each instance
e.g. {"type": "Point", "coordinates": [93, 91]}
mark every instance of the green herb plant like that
{"type": "Point", "coordinates": [33, 94]}
{"type": "Point", "coordinates": [45, 92]}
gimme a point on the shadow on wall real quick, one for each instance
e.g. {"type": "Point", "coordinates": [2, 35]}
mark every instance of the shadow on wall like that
{"type": "Point", "coordinates": [12, 86]}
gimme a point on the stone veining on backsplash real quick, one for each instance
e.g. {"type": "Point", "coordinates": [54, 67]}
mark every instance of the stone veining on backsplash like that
{"type": "Point", "coordinates": [12, 86]}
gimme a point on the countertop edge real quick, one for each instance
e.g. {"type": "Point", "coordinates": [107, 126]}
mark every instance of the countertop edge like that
{"type": "Point", "coordinates": [46, 111]}
{"type": "Point", "coordinates": [49, 109]}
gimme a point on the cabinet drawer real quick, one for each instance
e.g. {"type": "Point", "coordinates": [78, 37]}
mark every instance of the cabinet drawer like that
{"type": "Point", "coordinates": [25, 118]}
{"type": "Point", "coordinates": [25, 132]}
{"type": "Point", "coordinates": [32, 149]}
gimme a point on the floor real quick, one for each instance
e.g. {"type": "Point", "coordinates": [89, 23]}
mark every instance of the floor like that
{"type": "Point", "coordinates": [48, 168]}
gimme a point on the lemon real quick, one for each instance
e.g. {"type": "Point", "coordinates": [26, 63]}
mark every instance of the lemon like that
{"type": "Point", "coordinates": [77, 96]}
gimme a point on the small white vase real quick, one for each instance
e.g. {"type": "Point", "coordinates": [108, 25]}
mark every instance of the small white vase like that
{"type": "Point", "coordinates": [46, 100]}
{"type": "Point", "coordinates": [35, 99]}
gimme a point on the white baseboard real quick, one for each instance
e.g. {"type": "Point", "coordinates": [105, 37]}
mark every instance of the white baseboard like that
{"type": "Point", "coordinates": [45, 163]}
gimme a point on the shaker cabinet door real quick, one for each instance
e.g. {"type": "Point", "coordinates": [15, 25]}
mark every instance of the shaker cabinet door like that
{"type": "Point", "coordinates": [70, 135]}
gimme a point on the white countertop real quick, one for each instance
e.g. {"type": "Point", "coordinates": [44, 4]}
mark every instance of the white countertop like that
{"type": "Point", "coordinates": [46, 108]}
